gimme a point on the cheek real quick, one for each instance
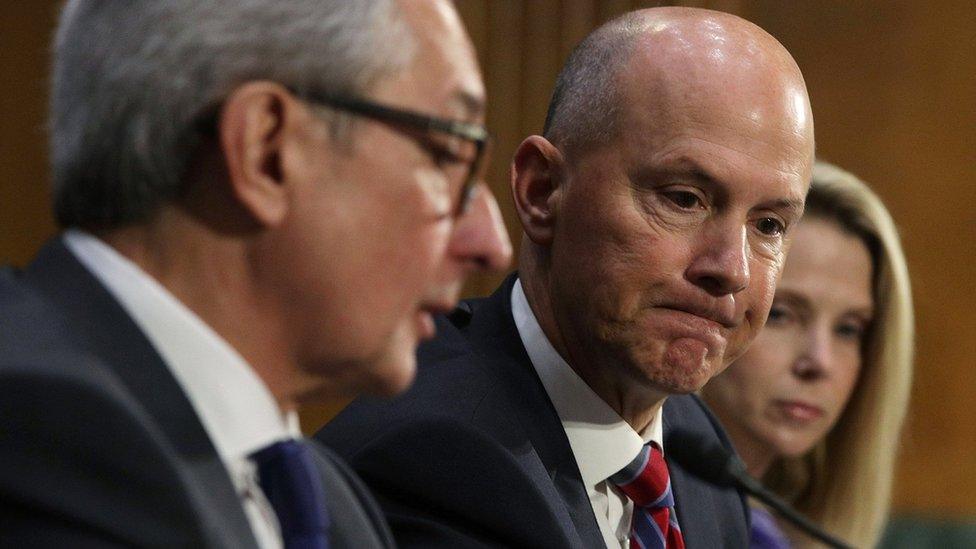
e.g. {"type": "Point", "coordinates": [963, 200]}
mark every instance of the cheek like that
{"type": "Point", "coordinates": [436, 194]}
{"type": "Point", "coordinates": [419, 262]}
{"type": "Point", "coordinates": [755, 301]}
{"type": "Point", "coordinates": [847, 375]}
{"type": "Point", "coordinates": [750, 380]}
{"type": "Point", "coordinates": [399, 276]}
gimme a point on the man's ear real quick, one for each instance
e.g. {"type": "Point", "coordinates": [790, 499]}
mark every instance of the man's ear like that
{"type": "Point", "coordinates": [537, 169]}
{"type": "Point", "coordinates": [253, 124]}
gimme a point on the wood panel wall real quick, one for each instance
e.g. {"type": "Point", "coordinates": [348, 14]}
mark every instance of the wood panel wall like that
{"type": "Point", "coordinates": [25, 221]}
{"type": "Point", "coordinates": [893, 86]}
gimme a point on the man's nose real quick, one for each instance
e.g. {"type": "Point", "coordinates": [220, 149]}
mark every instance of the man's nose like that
{"type": "Point", "coordinates": [480, 239]}
{"type": "Point", "coordinates": [721, 262]}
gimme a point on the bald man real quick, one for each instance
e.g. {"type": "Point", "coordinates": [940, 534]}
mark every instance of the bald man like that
{"type": "Point", "coordinates": [657, 209]}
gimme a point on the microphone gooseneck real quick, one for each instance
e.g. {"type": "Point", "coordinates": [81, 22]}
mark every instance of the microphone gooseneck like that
{"type": "Point", "coordinates": [714, 464]}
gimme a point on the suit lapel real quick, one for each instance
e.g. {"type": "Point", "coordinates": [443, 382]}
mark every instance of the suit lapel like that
{"type": "Point", "coordinates": [355, 518]}
{"type": "Point", "coordinates": [554, 469]}
{"type": "Point", "coordinates": [686, 488]}
{"type": "Point", "coordinates": [103, 329]}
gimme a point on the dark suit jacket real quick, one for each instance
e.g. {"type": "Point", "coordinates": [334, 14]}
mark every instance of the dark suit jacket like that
{"type": "Point", "coordinates": [99, 445]}
{"type": "Point", "coordinates": [475, 454]}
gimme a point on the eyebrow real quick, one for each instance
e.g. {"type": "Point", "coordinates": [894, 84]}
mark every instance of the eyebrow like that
{"type": "Point", "coordinates": [794, 205]}
{"type": "Point", "coordinates": [794, 298]}
{"type": "Point", "coordinates": [866, 312]}
{"type": "Point", "coordinates": [685, 166]}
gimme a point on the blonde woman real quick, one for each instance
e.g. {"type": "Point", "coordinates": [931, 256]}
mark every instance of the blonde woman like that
{"type": "Point", "coordinates": [815, 406]}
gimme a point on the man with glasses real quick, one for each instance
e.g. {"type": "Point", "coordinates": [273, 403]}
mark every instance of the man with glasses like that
{"type": "Point", "coordinates": [656, 208]}
{"type": "Point", "coordinates": [264, 205]}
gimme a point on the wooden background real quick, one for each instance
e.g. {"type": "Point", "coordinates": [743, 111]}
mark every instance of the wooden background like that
{"type": "Point", "coordinates": [893, 86]}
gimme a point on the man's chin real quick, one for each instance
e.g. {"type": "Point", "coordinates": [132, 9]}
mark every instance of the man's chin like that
{"type": "Point", "coordinates": [393, 377]}
{"type": "Point", "coordinates": [385, 376]}
{"type": "Point", "coordinates": [683, 381]}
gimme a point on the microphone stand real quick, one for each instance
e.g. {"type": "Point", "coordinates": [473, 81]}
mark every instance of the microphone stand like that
{"type": "Point", "coordinates": [715, 465]}
{"type": "Point", "coordinates": [754, 488]}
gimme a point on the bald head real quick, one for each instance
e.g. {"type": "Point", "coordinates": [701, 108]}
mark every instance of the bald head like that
{"type": "Point", "coordinates": [659, 205]}
{"type": "Point", "coordinates": [675, 57]}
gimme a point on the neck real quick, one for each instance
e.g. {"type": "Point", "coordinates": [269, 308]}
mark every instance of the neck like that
{"type": "Point", "coordinates": [758, 464]}
{"type": "Point", "coordinates": [628, 397]}
{"type": "Point", "coordinates": [207, 272]}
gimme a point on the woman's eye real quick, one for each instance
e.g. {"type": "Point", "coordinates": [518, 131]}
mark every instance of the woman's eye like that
{"type": "Point", "coordinates": [684, 199]}
{"type": "Point", "coordinates": [777, 315]}
{"type": "Point", "coordinates": [770, 226]}
{"type": "Point", "coordinates": [850, 330]}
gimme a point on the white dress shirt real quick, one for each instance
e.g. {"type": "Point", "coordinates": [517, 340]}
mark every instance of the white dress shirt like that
{"type": "Point", "coordinates": [602, 442]}
{"type": "Point", "coordinates": [235, 407]}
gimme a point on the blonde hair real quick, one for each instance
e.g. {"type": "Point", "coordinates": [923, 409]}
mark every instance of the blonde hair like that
{"type": "Point", "coordinates": [844, 482]}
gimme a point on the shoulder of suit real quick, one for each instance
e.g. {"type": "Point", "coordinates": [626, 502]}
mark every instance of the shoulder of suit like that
{"type": "Point", "coordinates": [41, 355]}
{"type": "Point", "coordinates": [691, 412]}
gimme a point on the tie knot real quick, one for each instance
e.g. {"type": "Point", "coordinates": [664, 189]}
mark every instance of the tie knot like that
{"type": "Point", "coordinates": [645, 480]}
{"type": "Point", "coordinates": [283, 451]}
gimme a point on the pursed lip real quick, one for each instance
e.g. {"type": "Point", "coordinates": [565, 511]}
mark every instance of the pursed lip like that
{"type": "Point", "coordinates": [719, 312]}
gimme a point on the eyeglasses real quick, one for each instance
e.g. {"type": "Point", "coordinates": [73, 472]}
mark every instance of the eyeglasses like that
{"type": "Point", "coordinates": [466, 136]}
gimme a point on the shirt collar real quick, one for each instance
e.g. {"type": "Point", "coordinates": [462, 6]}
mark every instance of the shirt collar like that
{"type": "Point", "coordinates": [602, 442]}
{"type": "Point", "coordinates": [235, 407]}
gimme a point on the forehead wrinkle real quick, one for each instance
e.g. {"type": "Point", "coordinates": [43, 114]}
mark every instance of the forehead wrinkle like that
{"type": "Point", "coordinates": [793, 142]}
{"type": "Point", "coordinates": [752, 156]}
{"type": "Point", "coordinates": [786, 130]}
{"type": "Point", "coordinates": [678, 109]}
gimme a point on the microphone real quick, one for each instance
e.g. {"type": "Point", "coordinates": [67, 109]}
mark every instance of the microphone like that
{"type": "Point", "coordinates": [714, 464]}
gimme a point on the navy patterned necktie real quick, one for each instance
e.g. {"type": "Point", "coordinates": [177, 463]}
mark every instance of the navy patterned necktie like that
{"type": "Point", "coordinates": [647, 483]}
{"type": "Point", "coordinates": [292, 485]}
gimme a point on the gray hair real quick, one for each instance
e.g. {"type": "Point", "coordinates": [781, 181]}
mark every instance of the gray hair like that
{"type": "Point", "coordinates": [584, 105]}
{"type": "Point", "coordinates": [132, 79]}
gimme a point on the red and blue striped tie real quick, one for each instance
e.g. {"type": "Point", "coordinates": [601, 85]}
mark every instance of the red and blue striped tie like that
{"type": "Point", "coordinates": [647, 483]}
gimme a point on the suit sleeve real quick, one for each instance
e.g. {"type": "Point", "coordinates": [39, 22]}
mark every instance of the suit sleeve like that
{"type": "Point", "coordinates": [81, 468]}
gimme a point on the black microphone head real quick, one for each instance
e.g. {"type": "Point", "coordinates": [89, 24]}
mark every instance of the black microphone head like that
{"type": "Point", "coordinates": [707, 460]}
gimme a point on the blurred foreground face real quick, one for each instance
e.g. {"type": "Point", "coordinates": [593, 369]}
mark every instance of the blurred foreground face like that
{"type": "Point", "coordinates": [377, 249]}
{"type": "Point", "coordinates": [672, 235]}
{"type": "Point", "coordinates": [789, 389]}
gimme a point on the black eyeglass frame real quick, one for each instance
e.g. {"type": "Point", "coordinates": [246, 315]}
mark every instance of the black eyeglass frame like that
{"type": "Point", "coordinates": [473, 133]}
